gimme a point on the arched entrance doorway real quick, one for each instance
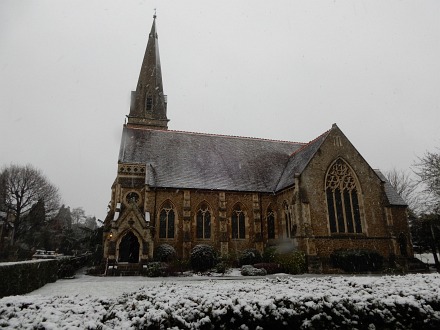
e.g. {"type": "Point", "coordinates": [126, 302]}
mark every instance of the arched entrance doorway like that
{"type": "Point", "coordinates": [129, 248]}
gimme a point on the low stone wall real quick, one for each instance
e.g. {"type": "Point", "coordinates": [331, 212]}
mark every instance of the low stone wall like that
{"type": "Point", "coordinates": [25, 276]}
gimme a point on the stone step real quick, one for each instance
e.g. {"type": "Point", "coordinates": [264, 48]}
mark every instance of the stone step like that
{"type": "Point", "coordinates": [124, 270]}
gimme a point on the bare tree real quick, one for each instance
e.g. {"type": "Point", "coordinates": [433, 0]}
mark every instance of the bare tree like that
{"type": "Point", "coordinates": [78, 215]}
{"type": "Point", "coordinates": [24, 186]}
{"type": "Point", "coordinates": [91, 223]}
{"type": "Point", "coordinates": [407, 188]}
{"type": "Point", "coordinates": [428, 170]}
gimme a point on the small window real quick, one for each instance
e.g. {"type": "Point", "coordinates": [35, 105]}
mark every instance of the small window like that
{"type": "Point", "coordinates": [270, 224]}
{"type": "Point", "coordinates": [149, 103]}
{"type": "Point", "coordinates": [166, 221]}
{"type": "Point", "coordinates": [132, 197]}
{"type": "Point", "coordinates": [203, 222]}
{"type": "Point", "coordinates": [287, 219]}
{"type": "Point", "coordinates": [238, 223]}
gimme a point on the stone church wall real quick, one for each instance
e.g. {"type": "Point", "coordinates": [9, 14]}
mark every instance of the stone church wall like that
{"type": "Point", "coordinates": [220, 205]}
{"type": "Point", "coordinates": [375, 231]}
{"type": "Point", "coordinates": [307, 230]}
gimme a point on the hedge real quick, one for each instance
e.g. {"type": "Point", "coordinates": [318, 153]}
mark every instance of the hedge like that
{"type": "Point", "coordinates": [356, 261]}
{"type": "Point", "coordinates": [349, 305]}
{"type": "Point", "coordinates": [26, 276]}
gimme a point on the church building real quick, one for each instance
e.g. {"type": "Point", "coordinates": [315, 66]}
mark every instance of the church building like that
{"type": "Point", "coordinates": [235, 193]}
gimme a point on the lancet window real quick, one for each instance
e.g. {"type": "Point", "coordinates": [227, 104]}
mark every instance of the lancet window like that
{"type": "Point", "coordinates": [238, 223]}
{"type": "Point", "coordinates": [203, 223]}
{"type": "Point", "coordinates": [270, 223]}
{"type": "Point", "coordinates": [287, 219]}
{"type": "Point", "coordinates": [166, 221]}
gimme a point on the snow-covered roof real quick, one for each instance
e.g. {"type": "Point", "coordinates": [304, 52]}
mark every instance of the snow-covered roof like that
{"type": "Point", "coordinates": [204, 161]}
{"type": "Point", "coordinates": [187, 160]}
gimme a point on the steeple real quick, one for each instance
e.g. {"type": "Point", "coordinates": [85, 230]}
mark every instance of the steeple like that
{"type": "Point", "coordinates": [148, 103]}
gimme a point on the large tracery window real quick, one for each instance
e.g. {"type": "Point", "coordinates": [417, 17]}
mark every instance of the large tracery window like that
{"type": "Point", "coordinates": [238, 223]}
{"type": "Point", "coordinates": [203, 224]}
{"type": "Point", "coordinates": [270, 224]}
{"type": "Point", "coordinates": [166, 221]}
{"type": "Point", "coordinates": [342, 199]}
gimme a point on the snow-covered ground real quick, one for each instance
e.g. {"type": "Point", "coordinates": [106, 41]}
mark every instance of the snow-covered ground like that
{"type": "Point", "coordinates": [426, 257]}
{"type": "Point", "coordinates": [113, 287]}
{"type": "Point", "coordinates": [88, 302]}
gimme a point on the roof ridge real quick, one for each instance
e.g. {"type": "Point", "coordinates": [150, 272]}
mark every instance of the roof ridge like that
{"type": "Point", "coordinates": [219, 135]}
{"type": "Point", "coordinates": [309, 143]}
{"type": "Point", "coordinates": [296, 152]}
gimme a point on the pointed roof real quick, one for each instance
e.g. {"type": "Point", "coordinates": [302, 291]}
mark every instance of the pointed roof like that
{"type": "Point", "coordinates": [148, 103]}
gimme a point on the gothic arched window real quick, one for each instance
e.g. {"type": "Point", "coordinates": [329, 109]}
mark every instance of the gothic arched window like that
{"type": "Point", "coordinates": [342, 199]}
{"type": "Point", "coordinates": [238, 223]}
{"type": "Point", "coordinates": [203, 223]}
{"type": "Point", "coordinates": [166, 221]}
{"type": "Point", "coordinates": [287, 219]}
{"type": "Point", "coordinates": [270, 224]}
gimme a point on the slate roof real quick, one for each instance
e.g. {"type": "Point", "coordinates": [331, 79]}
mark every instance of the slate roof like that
{"type": "Point", "coordinates": [391, 193]}
{"type": "Point", "coordinates": [298, 161]}
{"type": "Point", "coordinates": [203, 161]}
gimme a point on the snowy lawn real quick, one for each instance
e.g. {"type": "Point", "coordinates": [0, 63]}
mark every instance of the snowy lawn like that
{"type": "Point", "coordinates": [426, 257]}
{"type": "Point", "coordinates": [320, 302]}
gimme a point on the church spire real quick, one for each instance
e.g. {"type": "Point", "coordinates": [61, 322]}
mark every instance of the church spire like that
{"type": "Point", "coordinates": [148, 103]}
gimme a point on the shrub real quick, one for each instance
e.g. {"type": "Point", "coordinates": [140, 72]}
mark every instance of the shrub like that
{"type": "Point", "coordinates": [269, 254]}
{"type": "Point", "coordinates": [154, 269]}
{"type": "Point", "coordinates": [164, 253]}
{"type": "Point", "coordinates": [203, 257]}
{"type": "Point", "coordinates": [270, 267]}
{"type": "Point", "coordinates": [231, 259]}
{"type": "Point", "coordinates": [176, 266]}
{"type": "Point", "coordinates": [249, 257]}
{"type": "Point", "coordinates": [249, 270]}
{"type": "Point", "coordinates": [355, 261]}
{"type": "Point", "coordinates": [221, 268]}
{"type": "Point", "coordinates": [292, 262]}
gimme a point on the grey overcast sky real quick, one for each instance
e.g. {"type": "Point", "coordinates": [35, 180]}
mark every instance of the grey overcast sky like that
{"type": "Point", "coordinates": [280, 70]}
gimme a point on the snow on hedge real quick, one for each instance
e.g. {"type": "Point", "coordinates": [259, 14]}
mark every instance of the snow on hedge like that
{"type": "Point", "coordinates": [394, 302]}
